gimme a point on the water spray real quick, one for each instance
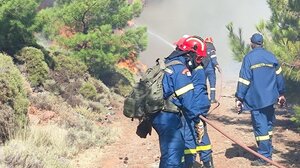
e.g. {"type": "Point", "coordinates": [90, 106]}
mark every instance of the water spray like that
{"type": "Point", "coordinates": [161, 39]}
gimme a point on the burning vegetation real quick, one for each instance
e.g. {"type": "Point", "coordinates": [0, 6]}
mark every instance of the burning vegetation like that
{"type": "Point", "coordinates": [132, 64]}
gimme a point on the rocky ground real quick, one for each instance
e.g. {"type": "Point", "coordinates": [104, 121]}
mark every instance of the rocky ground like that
{"type": "Point", "coordinates": [133, 152]}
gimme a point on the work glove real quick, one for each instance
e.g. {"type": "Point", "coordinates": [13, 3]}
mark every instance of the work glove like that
{"type": "Point", "coordinates": [281, 101]}
{"type": "Point", "coordinates": [199, 128]}
{"type": "Point", "coordinates": [144, 128]}
{"type": "Point", "coordinates": [239, 106]}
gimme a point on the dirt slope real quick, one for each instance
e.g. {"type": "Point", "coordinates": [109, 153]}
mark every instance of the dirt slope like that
{"type": "Point", "coordinates": [133, 152]}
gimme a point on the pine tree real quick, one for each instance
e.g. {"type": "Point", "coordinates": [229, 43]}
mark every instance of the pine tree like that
{"type": "Point", "coordinates": [281, 36]}
{"type": "Point", "coordinates": [94, 30]}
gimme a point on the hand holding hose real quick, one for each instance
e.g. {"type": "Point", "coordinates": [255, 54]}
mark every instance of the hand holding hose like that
{"type": "Point", "coordinates": [199, 128]}
{"type": "Point", "coordinates": [219, 68]}
{"type": "Point", "coordinates": [239, 106]}
{"type": "Point", "coordinates": [281, 101]}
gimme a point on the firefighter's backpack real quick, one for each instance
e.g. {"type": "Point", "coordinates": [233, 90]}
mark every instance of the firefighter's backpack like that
{"type": "Point", "coordinates": [146, 97]}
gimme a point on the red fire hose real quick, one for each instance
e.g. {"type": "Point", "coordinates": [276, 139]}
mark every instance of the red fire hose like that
{"type": "Point", "coordinates": [242, 145]}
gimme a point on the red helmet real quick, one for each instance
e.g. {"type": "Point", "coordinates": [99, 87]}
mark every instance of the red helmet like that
{"type": "Point", "coordinates": [194, 44]}
{"type": "Point", "coordinates": [209, 40]}
{"type": "Point", "coordinates": [181, 40]}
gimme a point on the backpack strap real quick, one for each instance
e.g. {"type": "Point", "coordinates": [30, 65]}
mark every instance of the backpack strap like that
{"type": "Point", "coordinates": [168, 105]}
{"type": "Point", "coordinates": [175, 62]}
{"type": "Point", "coordinates": [164, 66]}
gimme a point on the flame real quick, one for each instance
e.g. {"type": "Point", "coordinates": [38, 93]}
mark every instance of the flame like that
{"type": "Point", "coordinates": [132, 64]}
{"type": "Point", "coordinates": [130, 23]}
{"type": "Point", "coordinates": [66, 32]}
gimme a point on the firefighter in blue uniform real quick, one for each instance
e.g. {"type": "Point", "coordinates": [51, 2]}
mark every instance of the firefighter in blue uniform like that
{"type": "Point", "coordinates": [210, 65]}
{"type": "Point", "coordinates": [260, 86]}
{"type": "Point", "coordinates": [194, 143]}
{"type": "Point", "coordinates": [178, 88]}
{"type": "Point", "coordinates": [201, 100]}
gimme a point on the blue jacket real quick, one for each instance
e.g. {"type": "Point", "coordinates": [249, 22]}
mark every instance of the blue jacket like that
{"type": "Point", "coordinates": [177, 83]}
{"type": "Point", "coordinates": [201, 96]}
{"type": "Point", "coordinates": [260, 80]}
{"type": "Point", "coordinates": [211, 53]}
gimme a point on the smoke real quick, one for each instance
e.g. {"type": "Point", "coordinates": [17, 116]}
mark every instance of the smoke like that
{"type": "Point", "coordinates": [169, 20]}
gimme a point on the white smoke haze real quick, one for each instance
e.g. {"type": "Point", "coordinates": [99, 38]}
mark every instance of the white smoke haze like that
{"type": "Point", "coordinates": [168, 20]}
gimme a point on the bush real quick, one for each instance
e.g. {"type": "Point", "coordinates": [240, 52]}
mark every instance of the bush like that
{"type": "Point", "coordinates": [296, 118]}
{"type": "Point", "coordinates": [88, 90]}
{"type": "Point", "coordinates": [69, 68]}
{"type": "Point", "coordinates": [6, 122]}
{"type": "Point", "coordinates": [13, 98]}
{"type": "Point", "coordinates": [120, 80]}
{"type": "Point", "coordinates": [35, 66]}
{"type": "Point", "coordinates": [47, 146]}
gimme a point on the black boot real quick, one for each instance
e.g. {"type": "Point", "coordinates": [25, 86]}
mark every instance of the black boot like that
{"type": "Point", "coordinates": [208, 164]}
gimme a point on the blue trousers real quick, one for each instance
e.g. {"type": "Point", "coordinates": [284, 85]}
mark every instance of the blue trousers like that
{"type": "Point", "coordinates": [262, 122]}
{"type": "Point", "coordinates": [191, 145]}
{"type": "Point", "coordinates": [168, 127]}
{"type": "Point", "coordinates": [211, 75]}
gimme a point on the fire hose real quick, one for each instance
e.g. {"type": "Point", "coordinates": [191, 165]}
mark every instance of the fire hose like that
{"type": "Point", "coordinates": [241, 144]}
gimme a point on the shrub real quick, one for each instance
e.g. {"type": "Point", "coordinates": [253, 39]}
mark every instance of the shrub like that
{"type": "Point", "coordinates": [6, 122]}
{"type": "Point", "coordinates": [35, 66]}
{"type": "Point", "coordinates": [68, 68]}
{"type": "Point", "coordinates": [45, 101]}
{"type": "Point", "coordinates": [88, 90]}
{"type": "Point", "coordinates": [13, 98]}
{"type": "Point", "coordinates": [55, 145]}
{"type": "Point", "coordinates": [51, 86]}
{"type": "Point", "coordinates": [296, 118]}
{"type": "Point", "coordinates": [127, 74]}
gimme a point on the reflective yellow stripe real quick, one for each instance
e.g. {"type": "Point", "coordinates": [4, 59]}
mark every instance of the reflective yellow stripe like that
{"type": "Point", "coordinates": [262, 138]}
{"type": "Point", "coordinates": [199, 67]}
{"type": "Point", "coordinates": [184, 89]}
{"type": "Point", "coordinates": [270, 132]}
{"type": "Point", "coordinates": [190, 151]}
{"type": "Point", "coordinates": [278, 71]}
{"type": "Point", "coordinates": [261, 65]}
{"type": "Point", "coordinates": [203, 148]}
{"type": "Point", "coordinates": [244, 81]}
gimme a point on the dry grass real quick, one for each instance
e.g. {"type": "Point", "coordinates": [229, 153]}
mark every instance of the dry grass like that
{"type": "Point", "coordinates": [52, 145]}
{"type": "Point", "coordinates": [56, 144]}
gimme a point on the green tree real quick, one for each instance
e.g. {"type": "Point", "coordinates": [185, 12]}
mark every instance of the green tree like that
{"type": "Point", "coordinates": [85, 15]}
{"type": "Point", "coordinates": [281, 36]}
{"type": "Point", "coordinates": [104, 47]}
{"type": "Point", "coordinates": [16, 20]}
{"type": "Point", "coordinates": [238, 46]}
{"type": "Point", "coordinates": [95, 31]}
